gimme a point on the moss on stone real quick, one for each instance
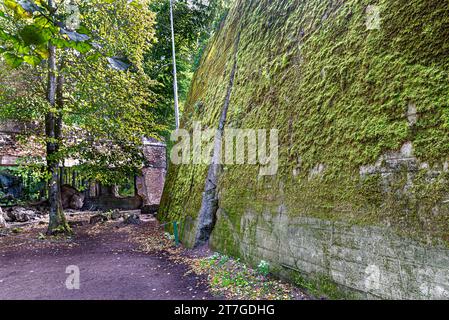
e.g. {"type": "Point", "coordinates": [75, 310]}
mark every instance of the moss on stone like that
{"type": "Point", "coordinates": [338, 93]}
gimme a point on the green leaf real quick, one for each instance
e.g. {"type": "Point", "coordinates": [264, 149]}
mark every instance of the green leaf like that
{"type": "Point", "coordinates": [32, 60]}
{"type": "Point", "coordinates": [4, 36]}
{"type": "Point", "coordinates": [34, 35]}
{"type": "Point", "coordinates": [19, 11]}
{"type": "Point", "coordinates": [42, 51]}
{"type": "Point", "coordinates": [135, 4]}
{"type": "Point", "coordinates": [12, 60]}
{"type": "Point", "coordinates": [94, 57]}
{"type": "Point", "coordinates": [22, 49]}
{"type": "Point", "coordinates": [83, 30]}
{"type": "Point", "coordinates": [81, 47]}
{"type": "Point", "coordinates": [61, 43]}
{"type": "Point", "coordinates": [43, 22]}
{"type": "Point", "coordinates": [11, 4]}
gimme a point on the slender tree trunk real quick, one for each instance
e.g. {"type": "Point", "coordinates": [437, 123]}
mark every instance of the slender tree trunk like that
{"type": "Point", "coordinates": [74, 179]}
{"type": "Point", "coordinates": [209, 204]}
{"type": "Point", "coordinates": [62, 171]}
{"type": "Point", "coordinates": [58, 223]}
{"type": "Point", "coordinates": [136, 189]}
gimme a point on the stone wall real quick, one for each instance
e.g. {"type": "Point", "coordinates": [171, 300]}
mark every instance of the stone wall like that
{"type": "Point", "coordinates": [366, 261]}
{"type": "Point", "coordinates": [151, 184]}
{"type": "Point", "coordinates": [362, 191]}
{"type": "Point", "coordinates": [371, 262]}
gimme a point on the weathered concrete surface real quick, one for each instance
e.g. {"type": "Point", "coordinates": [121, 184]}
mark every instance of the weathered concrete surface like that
{"type": "Point", "coordinates": [150, 185]}
{"type": "Point", "coordinates": [370, 260]}
{"type": "Point", "coordinates": [363, 141]}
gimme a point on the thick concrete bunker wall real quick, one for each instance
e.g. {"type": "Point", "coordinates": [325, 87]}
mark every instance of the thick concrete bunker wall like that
{"type": "Point", "coordinates": [372, 261]}
{"type": "Point", "coordinates": [358, 92]}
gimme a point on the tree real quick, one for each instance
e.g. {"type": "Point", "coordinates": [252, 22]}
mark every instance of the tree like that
{"type": "Point", "coordinates": [122, 102]}
{"type": "Point", "coordinates": [194, 23]}
{"type": "Point", "coordinates": [98, 99]}
{"type": "Point", "coordinates": [35, 38]}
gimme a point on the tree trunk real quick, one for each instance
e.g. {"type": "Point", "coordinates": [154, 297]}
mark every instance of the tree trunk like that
{"type": "Point", "coordinates": [58, 223]}
{"type": "Point", "coordinates": [74, 179]}
{"type": "Point", "coordinates": [136, 189]}
{"type": "Point", "coordinates": [62, 171]}
{"type": "Point", "coordinates": [209, 203]}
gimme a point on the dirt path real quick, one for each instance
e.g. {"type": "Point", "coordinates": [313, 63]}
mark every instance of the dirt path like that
{"type": "Point", "coordinates": [110, 267]}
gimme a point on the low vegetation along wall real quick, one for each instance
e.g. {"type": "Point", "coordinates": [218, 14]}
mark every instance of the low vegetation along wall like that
{"type": "Point", "coordinates": [359, 93]}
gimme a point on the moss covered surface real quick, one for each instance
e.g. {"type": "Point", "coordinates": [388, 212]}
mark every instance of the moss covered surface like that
{"type": "Point", "coordinates": [338, 93]}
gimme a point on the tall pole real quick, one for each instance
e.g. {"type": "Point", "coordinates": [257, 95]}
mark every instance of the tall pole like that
{"type": "Point", "coordinates": [175, 76]}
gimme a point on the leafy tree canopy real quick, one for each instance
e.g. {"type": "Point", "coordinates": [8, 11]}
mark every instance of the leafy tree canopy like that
{"type": "Point", "coordinates": [108, 101]}
{"type": "Point", "coordinates": [194, 22]}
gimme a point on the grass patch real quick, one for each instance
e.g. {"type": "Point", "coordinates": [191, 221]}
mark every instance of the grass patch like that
{"type": "Point", "coordinates": [235, 280]}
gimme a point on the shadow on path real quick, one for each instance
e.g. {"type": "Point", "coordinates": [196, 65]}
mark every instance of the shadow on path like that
{"type": "Point", "coordinates": [110, 267]}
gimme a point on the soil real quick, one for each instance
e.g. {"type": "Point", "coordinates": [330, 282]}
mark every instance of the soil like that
{"type": "Point", "coordinates": [110, 263]}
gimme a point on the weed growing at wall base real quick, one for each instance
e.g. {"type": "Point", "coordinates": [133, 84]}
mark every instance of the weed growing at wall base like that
{"type": "Point", "coordinates": [235, 280]}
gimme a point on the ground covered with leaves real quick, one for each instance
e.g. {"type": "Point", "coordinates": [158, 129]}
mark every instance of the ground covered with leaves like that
{"type": "Point", "coordinates": [111, 266]}
{"type": "Point", "coordinates": [227, 277]}
{"type": "Point", "coordinates": [123, 261]}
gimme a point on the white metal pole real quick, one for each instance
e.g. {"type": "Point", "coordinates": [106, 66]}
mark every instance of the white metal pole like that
{"type": "Point", "coordinates": [175, 76]}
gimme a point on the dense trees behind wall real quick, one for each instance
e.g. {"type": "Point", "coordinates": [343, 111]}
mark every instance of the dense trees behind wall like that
{"type": "Point", "coordinates": [100, 81]}
{"type": "Point", "coordinates": [194, 22]}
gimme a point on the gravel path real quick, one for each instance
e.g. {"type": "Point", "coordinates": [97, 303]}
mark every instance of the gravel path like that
{"type": "Point", "coordinates": [110, 267]}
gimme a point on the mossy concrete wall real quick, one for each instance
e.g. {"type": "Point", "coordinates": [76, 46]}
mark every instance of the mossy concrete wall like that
{"type": "Point", "coordinates": [363, 120]}
{"type": "Point", "coordinates": [369, 262]}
